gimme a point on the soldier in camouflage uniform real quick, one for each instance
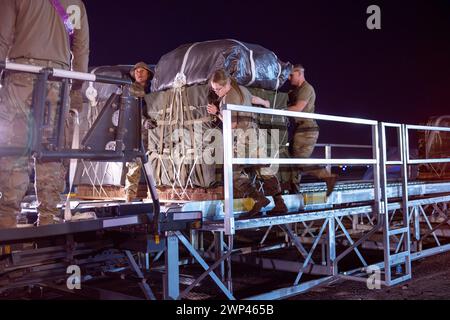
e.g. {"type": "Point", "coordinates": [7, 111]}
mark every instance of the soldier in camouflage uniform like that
{"type": "Point", "coordinates": [142, 75]}
{"type": "Point", "coordinates": [245, 126]}
{"type": "Point", "coordinates": [303, 133]}
{"type": "Point", "coordinates": [33, 32]}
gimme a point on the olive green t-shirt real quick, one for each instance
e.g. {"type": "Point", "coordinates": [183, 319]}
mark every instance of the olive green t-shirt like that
{"type": "Point", "coordinates": [244, 120]}
{"type": "Point", "coordinates": [34, 30]}
{"type": "Point", "coordinates": [304, 93]}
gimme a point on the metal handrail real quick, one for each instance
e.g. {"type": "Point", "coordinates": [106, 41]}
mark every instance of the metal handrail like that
{"type": "Point", "coordinates": [45, 74]}
{"type": "Point", "coordinates": [336, 145]}
{"type": "Point", "coordinates": [426, 128]}
{"type": "Point", "coordinates": [229, 159]}
{"type": "Point", "coordinates": [62, 74]}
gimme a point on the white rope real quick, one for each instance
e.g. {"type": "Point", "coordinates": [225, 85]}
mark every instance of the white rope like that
{"type": "Point", "coordinates": [86, 172]}
{"type": "Point", "coordinates": [167, 176]}
{"type": "Point", "coordinates": [189, 180]}
{"type": "Point", "coordinates": [180, 78]}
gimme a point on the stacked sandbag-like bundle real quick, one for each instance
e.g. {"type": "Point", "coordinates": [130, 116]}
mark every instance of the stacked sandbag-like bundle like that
{"type": "Point", "coordinates": [186, 148]}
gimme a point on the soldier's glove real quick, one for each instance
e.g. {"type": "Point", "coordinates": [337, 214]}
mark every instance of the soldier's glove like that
{"type": "Point", "coordinates": [150, 124]}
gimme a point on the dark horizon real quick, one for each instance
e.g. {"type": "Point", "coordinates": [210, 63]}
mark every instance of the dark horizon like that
{"type": "Point", "coordinates": [400, 73]}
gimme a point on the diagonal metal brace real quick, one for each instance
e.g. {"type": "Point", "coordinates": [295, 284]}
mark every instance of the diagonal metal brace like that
{"type": "Point", "coordinates": [205, 266]}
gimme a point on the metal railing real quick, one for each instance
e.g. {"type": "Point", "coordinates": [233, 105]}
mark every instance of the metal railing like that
{"type": "Point", "coordinates": [329, 149]}
{"type": "Point", "coordinates": [36, 147]}
{"type": "Point", "coordinates": [230, 160]}
{"type": "Point", "coordinates": [44, 75]}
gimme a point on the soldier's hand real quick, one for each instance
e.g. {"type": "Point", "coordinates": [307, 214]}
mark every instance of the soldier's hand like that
{"type": "Point", "coordinates": [212, 109]}
{"type": "Point", "coordinates": [150, 124]}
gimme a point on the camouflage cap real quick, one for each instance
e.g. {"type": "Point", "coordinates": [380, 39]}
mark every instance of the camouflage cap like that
{"type": "Point", "coordinates": [141, 65]}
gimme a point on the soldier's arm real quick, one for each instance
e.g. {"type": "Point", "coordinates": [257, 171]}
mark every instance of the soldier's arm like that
{"type": "Point", "coordinates": [302, 100]}
{"type": "Point", "coordinates": [260, 101]}
{"type": "Point", "coordinates": [81, 43]}
{"type": "Point", "coordinates": [7, 23]}
{"type": "Point", "coordinates": [298, 106]}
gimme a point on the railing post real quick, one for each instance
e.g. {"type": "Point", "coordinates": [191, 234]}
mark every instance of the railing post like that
{"type": "Point", "coordinates": [172, 275]}
{"type": "Point", "coordinates": [384, 206]}
{"type": "Point", "coordinates": [328, 156]}
{"type": "Point", "coordinates": [228, 172]}
{"type": "Point", "coordinates": [38, 110]}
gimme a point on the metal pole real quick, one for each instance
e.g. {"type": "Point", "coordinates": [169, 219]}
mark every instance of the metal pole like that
{"type": "Point", "coordinates": [218, 244]}
{"type": "Point", "coordinates": [378, 208]}
{"type": "Point", "coordinates": [385, 214]}
{"type": "Point", "coordinates": [63, 111]}
{"type": "Point", "coordinates": [86, 155]}
{"type": "Point", "coordinates": [63, 74]}
{"type": "Point", "coordinates": [228, 172]}
{"type": "Point", "coordinates": [328, 156]}
{"type": "Point", "coordinates": [38, 109]}
{"type": "Point", "coordinates": [331, 252]}
{"type": "Point", "coordinates": [172, 275]}
{"type": "Point", "coordinates": [229, 270]}
{"type": "Point", "coordinates": [405, 198]}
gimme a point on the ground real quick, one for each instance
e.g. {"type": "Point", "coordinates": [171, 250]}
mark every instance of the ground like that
{"type": "Point", "coordinates": [430, 281]}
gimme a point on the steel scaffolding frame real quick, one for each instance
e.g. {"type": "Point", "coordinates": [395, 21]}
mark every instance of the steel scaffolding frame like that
{"type": "Point", "coordinates": [327, 227]}
{"type": "Point", "coordinates": [406, 225]}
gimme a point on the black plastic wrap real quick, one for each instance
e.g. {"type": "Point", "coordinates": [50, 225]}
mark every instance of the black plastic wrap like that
{"type": "Point", "coordinates": [251, 65]}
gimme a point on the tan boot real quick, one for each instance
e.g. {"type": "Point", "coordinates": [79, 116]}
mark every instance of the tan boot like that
{"type": "Point", "coordinates": [280, 207]}
{"type": "Point", "coordinates": [331, 182]}
{"type": "Point", "coordinates": [46, 220]}
{"type": "Point", "coordinates": [260, 202]}
{"type": "Point", "coordinates": [7, 222]}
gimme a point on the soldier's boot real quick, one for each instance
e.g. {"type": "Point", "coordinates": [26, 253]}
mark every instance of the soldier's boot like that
{"type": "Point", "coordinates": [294, 188]}
{"type": "Point", "coordinates": [280, 207]}
{"type": "Point", "coordinates": [331, 182]}
{"type": "Point", "coordinates": [260, 202]}
{"type": "Point", "coordinates": [44, 220]}
{"type": "Point", "coordinates": [7, 221]}
{"type": "Point", "coordinates": [130, 195]}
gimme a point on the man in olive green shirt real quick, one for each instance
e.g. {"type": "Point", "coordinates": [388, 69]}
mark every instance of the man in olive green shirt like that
{"type": "Point", "coordinates": [304, 132]}
{"type": "Point", "coordinates": [33, 32]}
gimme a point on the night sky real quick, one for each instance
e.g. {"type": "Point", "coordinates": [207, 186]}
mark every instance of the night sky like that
{"type": "Point", "coordinates": [400, 73]}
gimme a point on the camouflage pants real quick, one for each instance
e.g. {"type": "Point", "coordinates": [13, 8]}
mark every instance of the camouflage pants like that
{"type": "Point", "coordinates": [133, 175]}
{"type": "Point", "coordinates": [302, 147]}
{"type": "Point", "coordinates": [132, 180]}
{"type": "Point", "coordinates": [243, 178]}
{"type": "Point", "coordinates": [16, 125]}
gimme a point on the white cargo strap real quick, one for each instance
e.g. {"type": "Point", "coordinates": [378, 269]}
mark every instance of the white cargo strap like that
{"type": "Point", "coordinates": [73, 163]}
{"type": "Point", "coordinates": [180, 78]}
{"type": "Point", "coordinates": [252, 62]}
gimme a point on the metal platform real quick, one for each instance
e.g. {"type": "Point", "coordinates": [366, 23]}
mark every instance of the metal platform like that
{"type": "Point", "coordinates": [401, 219]}
{"type": "Point", "coordinates": [312, 198]}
